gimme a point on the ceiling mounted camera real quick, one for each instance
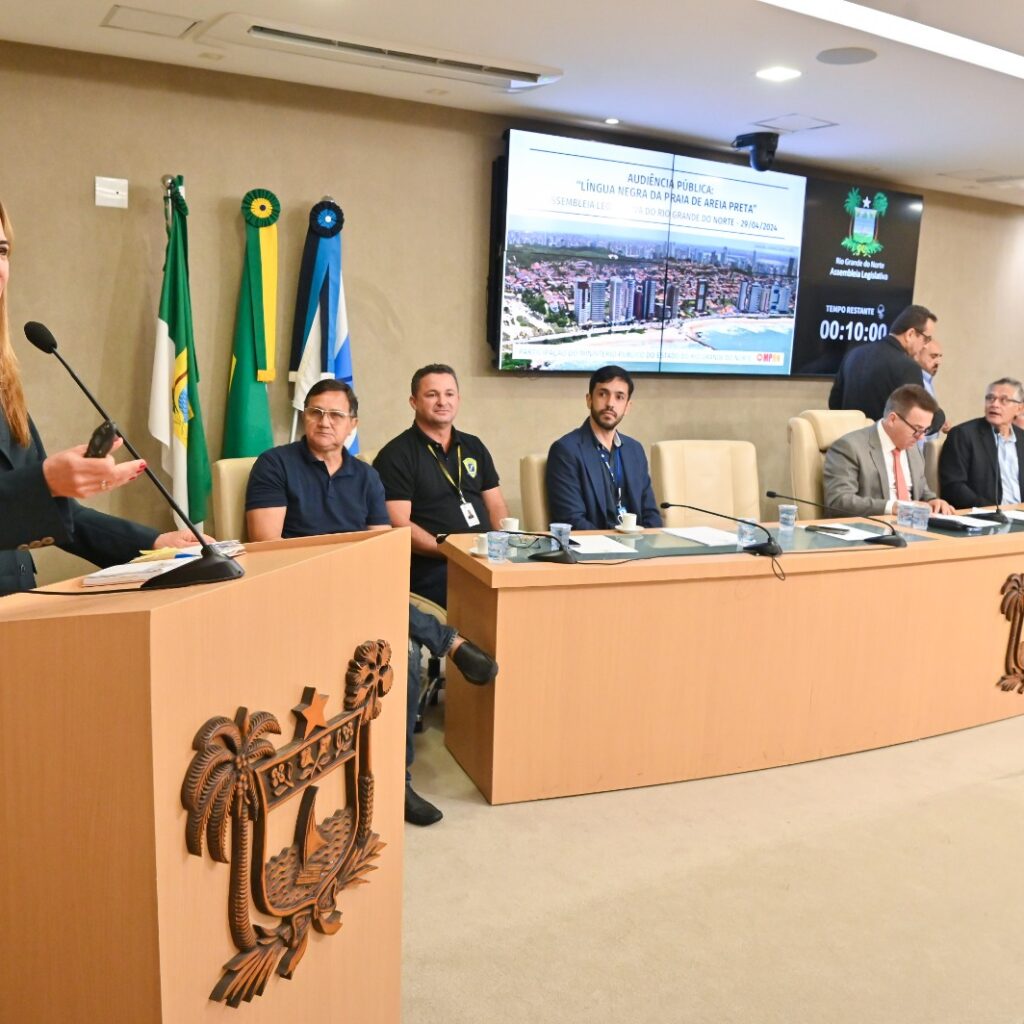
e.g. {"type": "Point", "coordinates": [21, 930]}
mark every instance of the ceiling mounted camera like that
{"type": "Point", "coordinates": [762, 146]}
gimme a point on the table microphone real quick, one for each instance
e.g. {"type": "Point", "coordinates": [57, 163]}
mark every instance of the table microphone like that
{"type": "Point", "coordinates": [211, 566]}
{"type": "Point", "coordinates": [563, 555]}
{"type": "Point", "coordinates": [765, 547]}
{"type": "Point", "coordinates": [890, 540]}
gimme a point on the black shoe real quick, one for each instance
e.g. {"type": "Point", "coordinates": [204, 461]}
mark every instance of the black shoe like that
{"type": "Point", "coordinates": [476, 665]}
{"type": "Point", "coordinates": [419, 811]}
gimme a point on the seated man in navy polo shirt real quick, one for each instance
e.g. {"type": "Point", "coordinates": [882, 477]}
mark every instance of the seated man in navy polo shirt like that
{"type": "Point", "coordinates": [314, 486]}
{"type": "Point", "coordinates": [594, 473]}
{"type": "Point", "coordinates": [438, 479]}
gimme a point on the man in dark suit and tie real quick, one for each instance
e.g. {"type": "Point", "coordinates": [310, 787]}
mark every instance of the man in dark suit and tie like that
{"type": "Point", "coordinates": [982, 461]}
{"type": "Point", "coordinates": [870, 373]}
{"type": "Point", "coordinates": [594, 473]}
{"type": "Point", "coordinates": [868, 470]}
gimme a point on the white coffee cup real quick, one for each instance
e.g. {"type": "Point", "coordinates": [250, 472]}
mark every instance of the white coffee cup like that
{"type": "Point", "coordinates": [627, 520]}
{"type": "Point", "coordinates": [480, 545]}
{"type": "Point", "coordinates": [510, 525]}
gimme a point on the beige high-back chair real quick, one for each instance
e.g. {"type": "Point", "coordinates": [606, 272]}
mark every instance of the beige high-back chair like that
{"type": "Point", "coordinates": [811, 434]}
{"type": "Point", "coordinates": [717, 475]}
{"type": "Point", "coordinates": [932, 451]}
{"type": "Point", "coordinates": [230, 477]}
{"type": "Point", "coordinates": [533, 491]}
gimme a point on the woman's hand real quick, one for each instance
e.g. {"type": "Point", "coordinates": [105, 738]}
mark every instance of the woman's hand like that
{"type": "Point", "coordinates": [69, 474]}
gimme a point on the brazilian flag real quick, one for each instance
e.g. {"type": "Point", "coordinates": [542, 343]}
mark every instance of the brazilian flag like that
{"type": "Point", "coordinates": [247, 428]}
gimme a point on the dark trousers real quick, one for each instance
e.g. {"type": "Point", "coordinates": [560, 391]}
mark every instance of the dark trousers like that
{"type": "Point", "coordinates": [424, 631]}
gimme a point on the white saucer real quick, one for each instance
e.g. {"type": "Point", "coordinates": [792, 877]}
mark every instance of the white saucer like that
{"type": "Point", "coordinates": [478, 554]}
{"type": "Point", "coordinates": [628, 529]}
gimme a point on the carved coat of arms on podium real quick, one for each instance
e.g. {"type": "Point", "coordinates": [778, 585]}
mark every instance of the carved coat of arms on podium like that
{"type": "Point", "coordinates": [238, 777]}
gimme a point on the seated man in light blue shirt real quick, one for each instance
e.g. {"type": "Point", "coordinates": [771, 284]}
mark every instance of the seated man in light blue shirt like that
{"type": "Point", "coordinates": [982, 459]}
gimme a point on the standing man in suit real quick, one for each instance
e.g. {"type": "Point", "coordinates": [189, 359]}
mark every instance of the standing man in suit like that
{"type": "Point", "coordinates": [871, 373]}
{"type": "Point", "coordinates": [594, 473]}
{"type": "Point", "coordinates": [868, 470]}
{"type": "Point", "coordinates": [982, 461]}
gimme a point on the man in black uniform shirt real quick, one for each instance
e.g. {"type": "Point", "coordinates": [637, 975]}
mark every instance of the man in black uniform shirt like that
{"type": "Point", "coordinates": [438, 479]}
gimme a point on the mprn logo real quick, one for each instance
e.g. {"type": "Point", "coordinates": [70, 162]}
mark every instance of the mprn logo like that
{"type": "Point", "coordinates": [864, 213]}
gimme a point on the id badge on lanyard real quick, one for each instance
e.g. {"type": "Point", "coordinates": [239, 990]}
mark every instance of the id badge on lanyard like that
{"type": "Point", "coordinates": [465, 507]}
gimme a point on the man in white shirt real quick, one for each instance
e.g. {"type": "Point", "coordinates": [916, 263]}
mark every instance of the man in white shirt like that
{"type": "Point", "coordinates": [868, 470]}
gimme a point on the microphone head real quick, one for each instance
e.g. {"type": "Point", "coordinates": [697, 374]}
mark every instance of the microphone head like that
{"type": "Point", "coordinates": [40, 336]}
{"type": "Point", "coordinates": [771, 494]}
{"type": "Point", "coordinates": [666, 504]}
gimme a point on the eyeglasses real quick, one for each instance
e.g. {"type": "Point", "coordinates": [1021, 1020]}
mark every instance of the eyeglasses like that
{"type": "Point", "coordinates": [1001, 400]}
{"type": "Point", "coordinates": [927, 341]}
{"type": "Point", "coordinates": [917, 431]}
{"type": "Point", "coordinates": [336, 416]}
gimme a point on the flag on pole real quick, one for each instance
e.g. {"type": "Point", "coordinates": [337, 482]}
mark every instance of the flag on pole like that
{"type": "Point", "coordinates": [247, 428]}
{"type": "Point", "coordinates": [175, 418]}
{"type": "Point", "coordinates": [320, 341]}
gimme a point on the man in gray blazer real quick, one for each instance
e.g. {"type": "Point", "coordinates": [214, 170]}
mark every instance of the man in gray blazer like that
{"type": "Point", "coordinates": [868, 470]}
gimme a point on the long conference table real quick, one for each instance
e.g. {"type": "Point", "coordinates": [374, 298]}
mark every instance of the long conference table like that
{"type": "Point", "coordinates": [678, 661]}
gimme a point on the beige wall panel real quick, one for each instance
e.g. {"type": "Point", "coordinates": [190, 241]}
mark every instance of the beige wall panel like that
{"type": "Point", "coordinates": [414, 182]}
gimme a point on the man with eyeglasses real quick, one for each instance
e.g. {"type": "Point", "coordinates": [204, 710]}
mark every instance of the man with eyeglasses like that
{"type": "Point", "coordinates": [868, 470]}
{"type": "Point", "coordinates": [982, 461]}
{"type": "Point", "coordinates": [313, 487]}
{"type": "Point", "coordinates": [870, 373]}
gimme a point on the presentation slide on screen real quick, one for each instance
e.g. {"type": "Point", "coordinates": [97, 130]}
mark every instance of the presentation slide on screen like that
{"type": "Point", "coordinates": [653, 261]}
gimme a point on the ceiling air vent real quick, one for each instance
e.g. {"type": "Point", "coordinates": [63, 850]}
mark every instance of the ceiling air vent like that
{"type": "Point", "coordinates": [241, 30]}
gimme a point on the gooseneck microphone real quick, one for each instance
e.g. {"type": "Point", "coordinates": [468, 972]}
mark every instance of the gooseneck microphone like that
{"type": "Point", "coordinates": [211, 566]}
{"type": "Point", "coordinates": [768, 547]}
{"type": "Point", "coordinates": [890, 540]}
{"type": "Point", "coordinates": [564, 555]}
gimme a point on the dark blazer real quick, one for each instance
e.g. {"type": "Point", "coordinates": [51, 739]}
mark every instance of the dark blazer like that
{"type": "Point", "coordinates": [578, 483]}
{"type": "Point", "coordinates": [870, 373]}
{"type": "Point", "coordinates": [969, 465]}
{"type": "Point", "coordinates": [30, 517]}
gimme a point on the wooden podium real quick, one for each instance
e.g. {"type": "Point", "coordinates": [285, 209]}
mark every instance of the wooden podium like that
{"type": "Point", "coordinates": [107, 916]}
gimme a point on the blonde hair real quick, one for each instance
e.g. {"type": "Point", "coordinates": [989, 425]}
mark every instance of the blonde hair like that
{"type": "Point", "coordinates": [12, 395]}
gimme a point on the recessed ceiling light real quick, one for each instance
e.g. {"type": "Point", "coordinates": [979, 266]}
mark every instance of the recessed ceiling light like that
{"type": "Point", "coordinates": [611, 120]}
{"type": "Point", "coordinates": [910, 33]}
{"type": "Point", "coordinates": [778, 73]}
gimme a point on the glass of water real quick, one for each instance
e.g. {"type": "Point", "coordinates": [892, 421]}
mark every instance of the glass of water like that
{"type": "Point", "coordinates": [497, 546]}
{"type": "Point", "coordinates": [905, 514]}
{"type": "Point", "coordinates": [746, 534]}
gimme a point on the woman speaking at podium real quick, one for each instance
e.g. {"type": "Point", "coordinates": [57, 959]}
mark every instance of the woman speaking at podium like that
{"type": "Point", "coordinates": [38, 492]}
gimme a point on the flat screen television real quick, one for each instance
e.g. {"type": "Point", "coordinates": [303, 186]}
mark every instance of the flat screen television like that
{"type": "Point", "coordinates": [666, 263]}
